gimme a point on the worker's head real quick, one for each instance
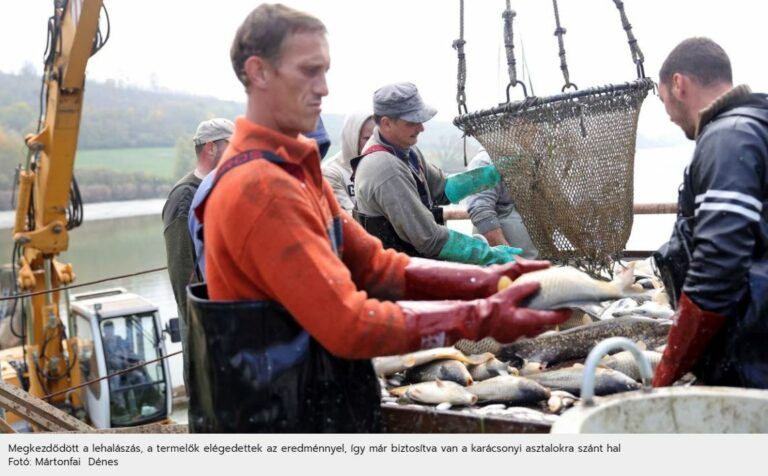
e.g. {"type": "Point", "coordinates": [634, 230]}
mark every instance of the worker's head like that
{"type": "Point", "coordinates": [694, 74]}
{"type": "Point", "coordinates": [399, 112]}
{"type": "Point", "coordinates": [109, 329]}
{"type": "Point", "coordinates": [281, 56]}
{"type": "Point", "coordinates": [366, 131]}
{"type": "Point", "coordinates": [211, 140]}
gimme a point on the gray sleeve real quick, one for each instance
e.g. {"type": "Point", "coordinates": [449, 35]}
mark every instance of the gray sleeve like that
{"type": "Point", "coordinates": [482, 206]}
{"type": "Point", "coordinates": [336, 179]}
{"type": "Point", "coordinates": [399, 201]}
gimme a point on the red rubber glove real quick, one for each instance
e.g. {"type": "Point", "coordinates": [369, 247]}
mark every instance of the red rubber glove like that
{"type": "Point", "coordinates": [692, 330]}
{"type": "Point", "coordinates": [427, 279]}
{"type": "Point", "coordinates": [442, 323]}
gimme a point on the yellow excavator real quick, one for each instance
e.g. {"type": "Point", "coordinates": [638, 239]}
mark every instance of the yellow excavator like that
{"type": "Point", "coordinates": [113, 339]}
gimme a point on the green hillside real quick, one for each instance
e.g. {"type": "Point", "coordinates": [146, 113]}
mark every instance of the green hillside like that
{"type": "Point", "coordinates": [153, 161]}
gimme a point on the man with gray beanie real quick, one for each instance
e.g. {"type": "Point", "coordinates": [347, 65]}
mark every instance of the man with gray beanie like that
{"type": "Point", "coordinates": [211, 139]}
{"type": "Point", "coordinates": [399, 193]}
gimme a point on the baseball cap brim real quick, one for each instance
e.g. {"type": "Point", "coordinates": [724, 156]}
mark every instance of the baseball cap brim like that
{"type": "Point", "coordinates": [422, 115]}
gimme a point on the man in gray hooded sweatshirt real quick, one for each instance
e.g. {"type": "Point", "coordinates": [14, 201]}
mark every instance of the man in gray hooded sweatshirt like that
{"type": "Point", "coordinates": [356, 131]}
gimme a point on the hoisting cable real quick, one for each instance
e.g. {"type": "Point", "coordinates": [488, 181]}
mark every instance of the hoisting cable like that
{"type": "Point", "coordinates": [461, 76]}
{"type": "Point", "coordinates": [559, 32]}
{"type": "Point", "coordinates": [637, 54]}
{"type": "Point", "coordinates": [458, 45]}
{"type": "Point", "coordinates": [74, 286]}
{"type": "Point", "coordinates": [509, 46]}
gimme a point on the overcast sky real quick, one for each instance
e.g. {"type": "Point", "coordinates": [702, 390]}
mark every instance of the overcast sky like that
{"type": "Point", "coordinates": [183, 45]}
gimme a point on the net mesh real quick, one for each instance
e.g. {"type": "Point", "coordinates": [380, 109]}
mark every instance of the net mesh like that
{"type": "Point", "coordinates": [568, 162]}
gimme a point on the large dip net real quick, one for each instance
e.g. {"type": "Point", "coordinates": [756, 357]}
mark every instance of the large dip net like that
{"type": "Point", "coordinates": [568, 159]}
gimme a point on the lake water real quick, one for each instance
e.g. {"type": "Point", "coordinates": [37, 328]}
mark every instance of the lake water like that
{"type": "Point", "coordinates": [105, 247]}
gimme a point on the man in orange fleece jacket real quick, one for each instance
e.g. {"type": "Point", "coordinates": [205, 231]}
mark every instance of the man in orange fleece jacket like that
{"type": "Point", "coordinates": [275, 233]}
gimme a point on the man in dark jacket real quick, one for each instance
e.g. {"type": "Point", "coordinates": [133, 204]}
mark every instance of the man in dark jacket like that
{"type": "Point", "coordinates": [211, 139]}
{"type": "Point", "coordinates": [717, 259]}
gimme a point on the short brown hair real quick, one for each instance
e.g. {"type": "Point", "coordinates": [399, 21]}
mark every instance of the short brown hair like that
{"type": "Point", "coordinates": [700, 58]}
{"type": "Point", "coordinates": [264, 31]}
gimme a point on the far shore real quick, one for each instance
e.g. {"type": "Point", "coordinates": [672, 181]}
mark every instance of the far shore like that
{"type": "Point", "coordinates": [103, 211]}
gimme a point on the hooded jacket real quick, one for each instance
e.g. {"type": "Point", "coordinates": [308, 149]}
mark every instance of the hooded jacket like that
{"type": "Point", "coordinates": [723, 204]}
{"type": "Point", "coordinates": [337, 169]}
{"type": "Point", "coordinates": [723, 197]}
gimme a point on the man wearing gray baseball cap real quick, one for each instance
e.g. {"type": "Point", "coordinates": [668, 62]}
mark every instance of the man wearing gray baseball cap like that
{"type": "Point", "coordinates": [399, 193]}
{"type": "Point", "coordinates": [210, 141]}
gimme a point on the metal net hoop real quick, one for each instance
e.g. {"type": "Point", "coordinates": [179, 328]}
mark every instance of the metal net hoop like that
{"type": "Point", "coordinates": [568, 162]}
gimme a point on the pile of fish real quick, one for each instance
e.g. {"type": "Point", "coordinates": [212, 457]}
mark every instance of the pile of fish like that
{"type": "Point", "coordinates": [538, 378]}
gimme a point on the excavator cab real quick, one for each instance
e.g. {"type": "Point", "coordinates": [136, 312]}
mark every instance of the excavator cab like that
{"type": "Point", "coordinates": [119, 337]}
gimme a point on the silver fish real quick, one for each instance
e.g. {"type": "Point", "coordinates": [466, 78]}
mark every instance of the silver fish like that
{"type": "Point", "coordinates": [618, 305]}
{"type": "Point", "coordinates": [647, 309]}
{"type": "Point", "coordinates": [529, 368]}
{"type": "Point", "coordinates": [567, 287]}
{"type": "Point", "coordinates": [436, 392]}
{"type": "Point", "coordinates": [560, 400]}
{"type": "Point", "coordinates": [509, 389]}
{"type": "Point", "coordinates": [625, 363]}
{"type": "Point", "coordinates": [385, 366]}
{"type": "Point", "coordinates": [489, 369]}
{"type": "Point", "coordinates": [445, 370]}
{"type": "Point", "coordinates": [569, 379]}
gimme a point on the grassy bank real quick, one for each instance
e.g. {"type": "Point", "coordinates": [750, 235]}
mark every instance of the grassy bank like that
{"type": "Point", "coordinates": [153, 161]}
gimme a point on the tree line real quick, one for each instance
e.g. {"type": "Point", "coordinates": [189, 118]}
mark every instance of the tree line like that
{"type": "Point", "coordinates": [117, 116]}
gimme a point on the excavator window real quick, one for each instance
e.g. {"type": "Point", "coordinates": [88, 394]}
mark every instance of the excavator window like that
{"type": "Point", "coordinates": [137, 383]}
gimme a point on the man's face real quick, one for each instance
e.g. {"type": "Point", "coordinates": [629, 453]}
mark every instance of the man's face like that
{"type": "Point", "coordinates": [365, 133]}
{"type": "Point", "coordinates": [402, 134]}
{"type": "Point", "coordinates": [676, 109]}
{"type": "Point", "coordinates": [297, 84]}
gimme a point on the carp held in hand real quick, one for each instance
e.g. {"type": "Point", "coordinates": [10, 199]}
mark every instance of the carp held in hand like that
{"type": "Point", "coordinates": [567, 287]}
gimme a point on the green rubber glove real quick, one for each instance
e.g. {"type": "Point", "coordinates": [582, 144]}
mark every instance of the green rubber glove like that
{"type": "Point", "coordinates": [465, 249]}
{"type": "Point", "coordinates": [462, 185]}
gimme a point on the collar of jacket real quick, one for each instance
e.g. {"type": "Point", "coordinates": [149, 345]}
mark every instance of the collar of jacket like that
{"type": "Point", "coordinates": [401, 154]}
{"type": "Point", "coordinates": [294, 150]}
{"type": "Point", "coordinates": [718, 105]}
{"type": "Point", "coordinates": [251, 136]}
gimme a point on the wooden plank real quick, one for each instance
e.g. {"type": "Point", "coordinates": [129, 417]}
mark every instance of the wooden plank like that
{"type": "Point", "coordinates": [6, 427]}
{"type": "Point", "coordinates": [38, 412]}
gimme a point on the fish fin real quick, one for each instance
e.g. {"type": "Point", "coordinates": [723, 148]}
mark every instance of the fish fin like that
{"type": "Point", "coordinates": [626, 278]}
{"type": "Point", "coordinates": [443, 406]}
{"type": "Point", "coordinates": [641, 345]}
{"type": "Point", "coordinates": [399, 391]}
{"type": "Point", "coordinates": [478, 359]}
{"type": "Point", "coordinates": [410, 361]}
{"type": "Point", "coordinates": [589, 309]}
